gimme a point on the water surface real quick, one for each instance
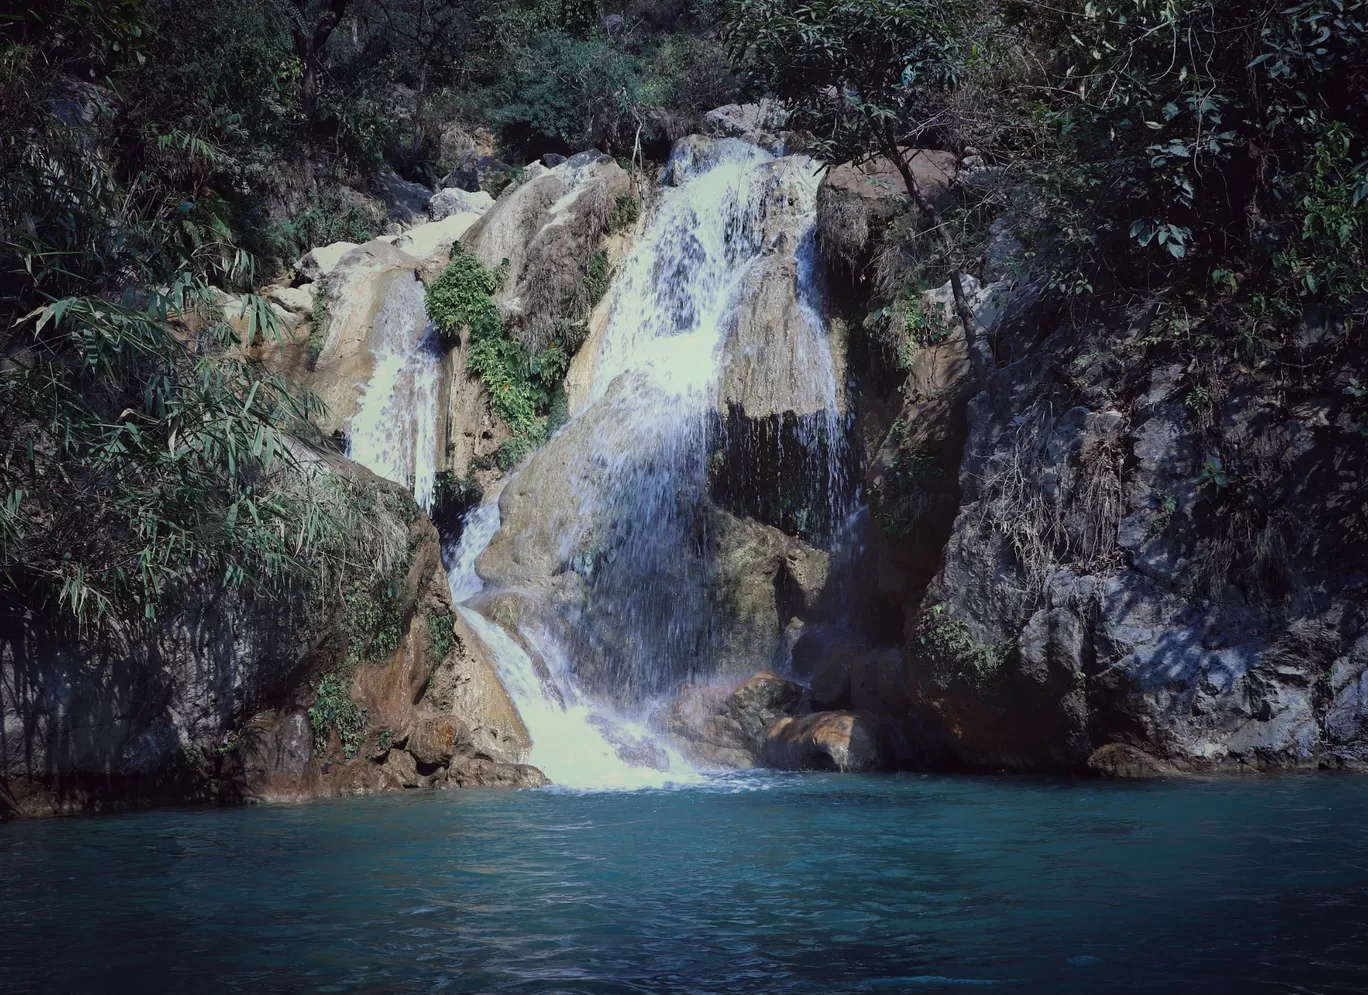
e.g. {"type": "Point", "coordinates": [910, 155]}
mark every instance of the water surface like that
{"type": "Point", "coordinates": [758, 883]}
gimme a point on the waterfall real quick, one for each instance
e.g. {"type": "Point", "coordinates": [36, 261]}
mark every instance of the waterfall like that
{"type": "Point", "coordinates": [394, 430]}
{"type": "Point", "coordinates": [629, 613]}
{"type": "Point", "coordinates": [574, 743]}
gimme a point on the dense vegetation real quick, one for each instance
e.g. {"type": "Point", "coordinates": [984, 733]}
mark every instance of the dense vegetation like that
{"type": "Point", "coordinates": [1209, 153]}
{"type": "Point", "coordinates": [1208, 156]}
{"type": "Point", "coordinates": [155, 153]}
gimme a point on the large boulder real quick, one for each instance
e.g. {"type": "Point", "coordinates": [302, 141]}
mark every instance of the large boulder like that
{"type": "Point", "coordinates": [840, 741]}
{"type": "Point", "coordinates": [546, 230]}
{"type": "Point", "coordinates": [372, 291]}
{"type": "Point", "coordinates": [405, 202]}
{"type": "Point", "coordinates": [467, 688]}
{"type": "Point", "coordinates": [762, 699]}
{"type": "Point", "coordinates": [453, 200]}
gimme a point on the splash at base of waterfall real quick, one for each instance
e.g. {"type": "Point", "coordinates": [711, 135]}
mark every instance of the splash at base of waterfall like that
{"type": "Point", "coordinates": [575, 743]}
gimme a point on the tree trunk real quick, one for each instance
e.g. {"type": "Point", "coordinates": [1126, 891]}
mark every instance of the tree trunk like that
{"type": "Point", "coordinates": [962, 308]}
{"type": "Point", "coordinates": [309, 43]}
{"type": "Point", "coordinates": [418, 112]}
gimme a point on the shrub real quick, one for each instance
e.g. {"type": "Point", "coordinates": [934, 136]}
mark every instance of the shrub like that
{"type": "Point", "coordinates": [334, 709]}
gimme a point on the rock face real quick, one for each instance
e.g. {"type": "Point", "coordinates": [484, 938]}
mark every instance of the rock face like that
{"type": "Point", "coordinates": [547, 228]}
{"type": "Point", "coordinates": [840, 741]}
{"type": "Point", "coordinates": [1110, 599]}
{"type": "Point", "coordinates": [857, 201]}
{"type": "Point", "coordinates": [213, 704]}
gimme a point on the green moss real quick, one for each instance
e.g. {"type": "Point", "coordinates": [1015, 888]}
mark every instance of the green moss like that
{"type": "Point", "coordinates": [333, 708]}
{"type": "Point", "coordinates": [439, 625]}
{"type": "Point", "coordinates": [944, 644]}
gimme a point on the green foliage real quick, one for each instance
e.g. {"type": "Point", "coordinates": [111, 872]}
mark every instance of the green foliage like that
{"type": "Point", "coordinates": [329, 217]}
{"type": "Point", "coordinates": [374, 617]}
{"type": "Point", "coordinates": [626, 210]}
{"type": "Point", "coordinates": [439, 627]}
{"type": "Point", "coordinates": [461, 299]}
{"type": "Point", "coordinates": [944, 644]}
{"type": "Point", "coordinates": [334, 709]}
{"type": "Point", "coordinates": [523, 389]}
{"type": "Point", "coordinates": [596, 279]}
{"type": "Point", "coordinates": [892, 65]}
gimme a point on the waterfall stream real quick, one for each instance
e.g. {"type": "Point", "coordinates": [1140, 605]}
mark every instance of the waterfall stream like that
{"type": "Point", "coordinates": [630, 612]}
{"type": "Point", "coordinates": [394, 430]}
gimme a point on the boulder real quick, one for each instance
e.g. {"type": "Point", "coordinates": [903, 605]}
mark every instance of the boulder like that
{"type": "Point", "coordinates": [434, 739]}
{"type": "Point", "coordinates": [319, 262]}
{"type": "Point", "coordinates": [400, 768]}
{"type": "Point", "coordinates": [762, 699]}
{"type": "Point", "coordinates": [474, 172]}
{"type": "Point", "coordinates": [759, 123]}
{"type": "Point", "coordinates": [841, 741]}
{"type": "Point", "coordinates": [477, 772]}
{"type": "Point", "coordinates": [454, 200]}
{"type": "Point", "coordinates": [1120, 760]}
{"type": "Point", "coordinates": [405, 202]}
{"type": "Point", "coordinates": [699, 720]}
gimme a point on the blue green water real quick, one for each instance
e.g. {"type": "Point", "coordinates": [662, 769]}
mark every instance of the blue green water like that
{"type": "Point", "coordinates": [768, 883]}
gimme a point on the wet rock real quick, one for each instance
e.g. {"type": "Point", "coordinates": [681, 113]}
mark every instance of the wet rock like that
{"type": "Point", "coordinates": [466, 686]}
{"type": "Point", "coordinates": [762, 699]}
{"type": "Point", "coordinates": [372, 290]}
{"type": "Point", "coordinates": [435, 739]}
{"type": "Point", "coordinates": [764, 579]}
{"type": "Point", "coordinates": [841, 741]}
{"type": "Point", "coordinates": [1120, 760]}
{"type": "Point", "coordinates": [477, 772]}
{"type": "Point", "coordinates": [699, 721]}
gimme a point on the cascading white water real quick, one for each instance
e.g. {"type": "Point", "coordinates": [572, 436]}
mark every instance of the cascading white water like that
{"type": "Point", "coordinates": [640, 475]}
{"type": "Point", "coordinates": [574, 743]}
{"type": "Point", "coordinates": [394, 430]}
